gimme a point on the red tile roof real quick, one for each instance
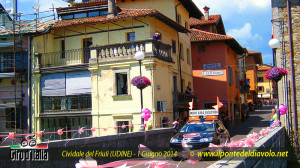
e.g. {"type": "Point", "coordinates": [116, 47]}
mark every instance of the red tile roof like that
{"type": "Point", "coordinates": [253, 52]}
{"type": "Point", "coordinates": [199, 35]}
{"type": "Point", "coordinates": [264, 67]}
{"type": "Point", "coordinates": [203, 36]}
{"type": "Point", "coordinates": [125, 13]}
{"type": "Point", "coordinates": [212, 19]}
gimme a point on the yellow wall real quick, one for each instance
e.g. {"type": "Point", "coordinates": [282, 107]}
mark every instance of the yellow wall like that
{"type": "Point", "coordinates": [106, 107]}
{"type": "Point", "coordinates": [267, 84]}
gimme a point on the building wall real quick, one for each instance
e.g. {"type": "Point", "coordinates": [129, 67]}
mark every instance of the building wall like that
{"type": "Point", "coordinates": [266, 84]}
{"type": "Point", "coordinates": [107, 107]}
{"type": "Point", "coordinates": [209, 87]}
{"type": "Point", "coordinates": [252, 75]}
{"type": "Point", "coordinates": [279, 11]}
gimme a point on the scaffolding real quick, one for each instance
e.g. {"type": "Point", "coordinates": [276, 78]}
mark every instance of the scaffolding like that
{"type": "Point", "coordinates": [16, 31]}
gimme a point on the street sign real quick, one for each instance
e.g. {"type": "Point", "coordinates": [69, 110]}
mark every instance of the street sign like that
{"type": "Point", "coordinates": [204, 112]}
{"type": "Point", "coordinates": [212, 66]}
{"type": "Point", "coordinates": [212, 73]}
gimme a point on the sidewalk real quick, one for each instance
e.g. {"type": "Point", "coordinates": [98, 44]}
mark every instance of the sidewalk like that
{"type": "Point", "coordinates": [257, 120]}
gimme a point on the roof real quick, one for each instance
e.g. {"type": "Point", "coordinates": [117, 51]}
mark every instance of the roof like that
{"type": "Point", "coordinates": [192, 8]}
{"type": "Point", "coordinates": [257, 56]}
{"type": "Point", "coordinates": [212, 20]}
{"type": "Point", "coordinates": [126, 13]}
{"type": "Point", "coordinates": [30, 27]}
{"type": "Point", "coordinates": [203, 36]}
{"type": "Point", "coordinates": [264, 67]}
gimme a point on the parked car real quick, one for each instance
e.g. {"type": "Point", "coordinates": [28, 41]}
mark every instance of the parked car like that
{"type": "Point", "coordinates": [197, 134]}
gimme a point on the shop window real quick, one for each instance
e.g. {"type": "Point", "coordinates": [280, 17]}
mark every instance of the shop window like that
{"type": "Point", "coordinates": [260, 79]}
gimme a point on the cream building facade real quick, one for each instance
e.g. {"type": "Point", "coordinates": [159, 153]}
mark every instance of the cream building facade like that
{"type": "Point", "coordinates": [84, 63]}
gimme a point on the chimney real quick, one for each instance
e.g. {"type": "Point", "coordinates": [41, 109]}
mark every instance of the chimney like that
{"type": "Point", "coordinates": [111, 8]}
{"type": "Point", "coordinates": [206, 12]}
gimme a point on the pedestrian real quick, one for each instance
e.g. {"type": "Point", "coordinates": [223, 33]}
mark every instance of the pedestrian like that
{"type": "Point", "coordinates": [156, 37]}
{"type": "Point", "coordinates": [176, 125]}
{"type": "Point", "coordinates": [188, 90]}
{"type": "Point", "coordinates": [273, 116]}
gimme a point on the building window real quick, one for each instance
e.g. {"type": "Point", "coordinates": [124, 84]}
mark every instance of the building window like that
{"type": "Point", "coordinates": [63, 49]}
{"type": "Point", "coordinates": [188, 56]}
{"type": "Point", "coordinates": [181, 56]}
{"type": "Point", "coordinates": [260, 89]}
{"type": "Point", "coordinates": [93, 13]}
{"type": "Point", "coordinates": [67, 17]}
{"type": "Point", "coordinates": [121, 83]}
{"type": "Point", "coordinates": [259, 72]}
{"type": "Point", "coordinates": [230, 76]}
{"type": "Point", "coordinates": [173, 46]}
{"type": "Point", "coordinates": [186, 25]}
{"type": "Point", "coordinates": [130, 36]}
{"type": "Point", "coordinates": [80, 15]}
{"type": "Point", "coordinates": [10, 118]}
{"type": "Point", "coordinates": [260, 79]}
{"type": "Point", "coordinates": [120, 129]}
{"type": "Point", "coordinates": [236, 79]}
{"type": "Point", "coordinates": [67, 103]}
{"type": "Point", "coordinates": [268, 90]}
{"type": "Point", "coordinates": [201, 49]}
{"type": "Point", "coordinates": [179, 19]}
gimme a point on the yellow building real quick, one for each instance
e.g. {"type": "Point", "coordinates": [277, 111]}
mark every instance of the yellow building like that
{"type": "Point", "coordinates": [84, 63]}
{"type": "Point", "coordinates": [265, 86]}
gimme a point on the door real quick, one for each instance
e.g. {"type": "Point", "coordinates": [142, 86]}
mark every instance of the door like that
{"type": "Point", "coordinates": [86, 49]}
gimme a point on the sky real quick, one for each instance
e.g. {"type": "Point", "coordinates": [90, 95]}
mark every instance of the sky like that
{"type": "Point", "coordinates": [248, 21]}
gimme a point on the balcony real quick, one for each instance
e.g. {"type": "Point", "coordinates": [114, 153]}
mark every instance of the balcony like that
{"type": "Point", "coordinates": [105, 53]}
{"type": "Point", "coordinates": [127, 50]}
{"type": "Point", "coordinates": [181, 100]}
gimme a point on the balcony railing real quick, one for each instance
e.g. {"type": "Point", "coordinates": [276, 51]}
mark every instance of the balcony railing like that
{"type": "Point", "coordinates": [181, 100]}
{"type": "Point", "coordinates": [128, 49]}
{"type": "Point", "coordinates": [106, 53]}
{"type": "Point", "coordinates": [66, 58]}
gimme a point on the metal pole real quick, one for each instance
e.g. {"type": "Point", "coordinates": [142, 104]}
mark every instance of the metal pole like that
{"type": "Point", "coordinates": [292, 75]}
{"type": "Point", "coordinates": [142, 120]}
{"type": "Point", "coordinates": [274, 64]}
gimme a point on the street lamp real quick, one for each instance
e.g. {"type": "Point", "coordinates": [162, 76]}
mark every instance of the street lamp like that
{"type": "Point", "coordinates": [274, 44]}
{"type": "Point", "coordinates": [139, 55]}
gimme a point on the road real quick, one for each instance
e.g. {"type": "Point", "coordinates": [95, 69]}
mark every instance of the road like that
{"type": "Point", "coordinates": [257, 120]}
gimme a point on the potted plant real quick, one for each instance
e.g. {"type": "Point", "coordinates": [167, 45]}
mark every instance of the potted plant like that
{"type": "Point", "coordinates": [275, 74]}
{"type": "Point", "coordinates": [141, 82]}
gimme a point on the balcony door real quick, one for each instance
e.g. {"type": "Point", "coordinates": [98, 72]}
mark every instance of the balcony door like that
{"type": "Point", "coordinates": [87, 42]}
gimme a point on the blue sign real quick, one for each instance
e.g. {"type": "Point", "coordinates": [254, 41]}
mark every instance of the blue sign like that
{"type": "Point", "coordinates": [212, 66]}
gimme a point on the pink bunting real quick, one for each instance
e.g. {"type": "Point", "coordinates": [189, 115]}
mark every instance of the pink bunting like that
{"type": "Point", "coordinates": [39, 134]}
{"type": "Point", "coordinates": [60, 132]}
{"type": "Point", "coordinates": [123, 126]}
{"type": "Point", "coordinates": [11, 135]}
{"type": "Point", "coordinates": [81, 130]}
{"type": "Point", "coordinates": [105, 129]}
{"type": "Point", "coordinates": [93, 129]}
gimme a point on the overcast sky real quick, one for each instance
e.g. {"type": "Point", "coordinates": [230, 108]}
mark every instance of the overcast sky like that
{"type": "Point", "coordinates": [248, 21]}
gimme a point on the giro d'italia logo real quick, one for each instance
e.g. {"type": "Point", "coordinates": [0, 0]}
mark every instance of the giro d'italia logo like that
{"type": "Point", "coordinates": [29, 151]}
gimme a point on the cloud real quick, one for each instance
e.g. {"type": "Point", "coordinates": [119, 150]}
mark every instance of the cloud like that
{"type": "Point", "coordinates": [244, 35]}
{"type": "Point", "coordinates": [228, 9]}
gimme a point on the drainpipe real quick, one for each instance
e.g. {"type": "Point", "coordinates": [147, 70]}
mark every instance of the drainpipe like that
{"type": "Point", "coordinates": [292, 74]}
{"type": "Point", "coordinates": [179, 51]}
{"type": "Point", "coordinates": [29, 84]}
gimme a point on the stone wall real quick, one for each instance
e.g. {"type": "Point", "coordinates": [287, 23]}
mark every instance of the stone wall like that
{"type": "Point", "coordinates": [280, 27]}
